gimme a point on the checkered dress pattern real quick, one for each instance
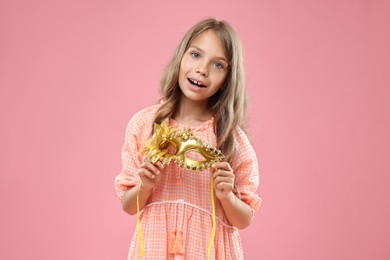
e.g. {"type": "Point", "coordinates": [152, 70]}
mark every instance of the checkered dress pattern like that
{"type": "Point", "coordinates": [181, 201]}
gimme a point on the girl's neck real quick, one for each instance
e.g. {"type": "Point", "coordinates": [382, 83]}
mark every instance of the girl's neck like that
{"type": "Point", "coordinates": [191, 112]}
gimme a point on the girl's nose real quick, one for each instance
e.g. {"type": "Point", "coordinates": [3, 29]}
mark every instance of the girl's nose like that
{"type": "Point", "coordinates": [202, 69]}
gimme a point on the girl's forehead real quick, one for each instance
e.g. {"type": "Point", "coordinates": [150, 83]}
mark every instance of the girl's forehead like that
{"type": "Point", "coordinates": [209, 42]}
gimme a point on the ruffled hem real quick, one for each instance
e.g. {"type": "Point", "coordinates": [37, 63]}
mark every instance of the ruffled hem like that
{"type": "Point", "coordinates": [160, 220]}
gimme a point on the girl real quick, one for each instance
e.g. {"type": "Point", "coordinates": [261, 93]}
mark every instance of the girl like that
{"type": "Point", "coordinates": [203, 89]}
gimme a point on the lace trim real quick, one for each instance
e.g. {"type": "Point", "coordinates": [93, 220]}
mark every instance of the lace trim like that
{"type": "Point", "coordinates": [191, 205]}
{"type": "Point", "coordinates": [202, 126]}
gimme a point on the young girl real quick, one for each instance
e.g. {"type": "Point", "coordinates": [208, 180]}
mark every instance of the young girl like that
{"type": "Point", "coordinates": [203, 89]}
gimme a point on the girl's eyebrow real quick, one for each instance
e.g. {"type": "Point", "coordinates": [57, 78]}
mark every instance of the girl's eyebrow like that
{"type": "Point", "coordinates": [201, 50]}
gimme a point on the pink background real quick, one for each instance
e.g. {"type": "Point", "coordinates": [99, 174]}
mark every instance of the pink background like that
{"type": "Point", "coordinates": [72, 73]}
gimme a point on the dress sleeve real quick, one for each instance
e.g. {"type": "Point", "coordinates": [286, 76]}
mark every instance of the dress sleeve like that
{"type": "Point", "coordinates": [131, 160]}
{"type": "Point", "coordinates": [246, 172]}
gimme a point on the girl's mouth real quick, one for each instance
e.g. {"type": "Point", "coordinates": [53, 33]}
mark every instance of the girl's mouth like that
{"type": "Point", "coordinates": [196, 83]}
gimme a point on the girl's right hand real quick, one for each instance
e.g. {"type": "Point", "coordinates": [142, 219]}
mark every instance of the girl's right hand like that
{"type": "Point", "coordinates": [150, 173]}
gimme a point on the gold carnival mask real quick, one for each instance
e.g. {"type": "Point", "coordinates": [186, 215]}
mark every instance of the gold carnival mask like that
{"type": "Point", "coordinates": [182, 142]}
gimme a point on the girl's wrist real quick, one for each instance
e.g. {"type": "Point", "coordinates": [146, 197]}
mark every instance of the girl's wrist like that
{"type": "Point", "coordinates": [145, 189]}
{"type": "Point", "coordinates": [230, 197]}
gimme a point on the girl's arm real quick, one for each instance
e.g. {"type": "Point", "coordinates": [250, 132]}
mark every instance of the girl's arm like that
{"type": "Point", "coordinates": [237, 211]}
{"type": "Point", "coordinates": [129, 199]}
{"type": "Point", "coordinates": [150, 175]}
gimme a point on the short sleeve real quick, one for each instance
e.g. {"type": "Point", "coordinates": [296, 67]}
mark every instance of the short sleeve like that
{"type": "Point", "coordinates": [245, 167]}
{"type": "Point", "coordinates": [131, 160]}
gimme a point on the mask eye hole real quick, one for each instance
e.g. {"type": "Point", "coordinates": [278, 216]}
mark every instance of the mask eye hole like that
{"type": "Point", "coordinates": [171, 149]}
{"type": "Point", "coordinates": [196, 156]}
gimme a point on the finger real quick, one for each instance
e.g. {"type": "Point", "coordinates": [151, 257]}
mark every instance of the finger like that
{"type": "Point", "coordinates": [223, 173]}
{"type": "Point", "coordinates": [147, 159]}
{"type": "Point", "coordinates": [224, 186]}
{"type": "Point", "coordinates": [145, 173]}
{"type": "Point", "coordinates": [220, 179]}
{"type": "Point", "coordinates": [216, 173]}
{"type": "Point", "coordinates": [222, 165]}
{"type": "Point", "coordinates": [160, 165]}
{"type": "Point", "coordinates": [151, 167]}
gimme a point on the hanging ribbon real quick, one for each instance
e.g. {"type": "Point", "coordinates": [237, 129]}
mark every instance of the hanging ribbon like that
{"type": "Point", "coordinates": [183, 142]}
{"type": "Point", "coordinates": [141, 241]}
{"type": "Point", "coordinates": [213, 213]}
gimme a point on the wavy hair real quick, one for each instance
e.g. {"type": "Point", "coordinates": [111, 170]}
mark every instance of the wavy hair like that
{"type": "Point", "coordinates": [229, 104]}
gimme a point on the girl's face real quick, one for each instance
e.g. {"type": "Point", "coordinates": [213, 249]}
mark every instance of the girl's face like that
{"type": "Point", "coordinates": [203, 68]}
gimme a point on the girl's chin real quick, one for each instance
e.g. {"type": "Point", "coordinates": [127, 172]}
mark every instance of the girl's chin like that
{"type": "Point", "coordinates": [193, 98]}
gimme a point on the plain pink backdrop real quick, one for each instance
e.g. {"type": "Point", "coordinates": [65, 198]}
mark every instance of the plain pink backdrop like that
{"type": "Point", "coordinates": [72, 73]}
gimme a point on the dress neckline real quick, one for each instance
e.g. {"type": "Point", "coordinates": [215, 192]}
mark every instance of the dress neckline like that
{"type": "Point", "coordinates": [204, 125]}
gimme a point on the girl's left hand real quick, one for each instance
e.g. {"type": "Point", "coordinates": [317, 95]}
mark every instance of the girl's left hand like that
{"type": "Point", "coordinates": [223, 179]}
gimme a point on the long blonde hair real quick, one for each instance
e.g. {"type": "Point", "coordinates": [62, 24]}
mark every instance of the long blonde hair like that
{"type": "Point", "coordinates": [228, 105]}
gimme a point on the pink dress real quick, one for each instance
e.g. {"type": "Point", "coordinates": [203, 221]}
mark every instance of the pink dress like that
{"type": "Point", "coordinates": [181, 201]}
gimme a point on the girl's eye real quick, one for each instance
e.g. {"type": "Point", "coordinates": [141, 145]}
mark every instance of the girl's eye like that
{"type": "Point", "coordinates": [195, 55]}
{"type": "Point", "coordinates": [218, 65]}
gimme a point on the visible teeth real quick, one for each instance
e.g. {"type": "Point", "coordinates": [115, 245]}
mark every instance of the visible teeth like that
{"type": "Point", "coordinates": [195, 82]}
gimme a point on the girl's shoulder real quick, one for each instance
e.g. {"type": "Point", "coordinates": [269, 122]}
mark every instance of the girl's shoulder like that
{"type": "Point", "coordinates": [244, 150]}
{"type": "Point", "coordinates": [142, 120]}
{"type": "Point", "coordinates": [146, 114]}
{"type": "Point", "coordinates": [240, 136]}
